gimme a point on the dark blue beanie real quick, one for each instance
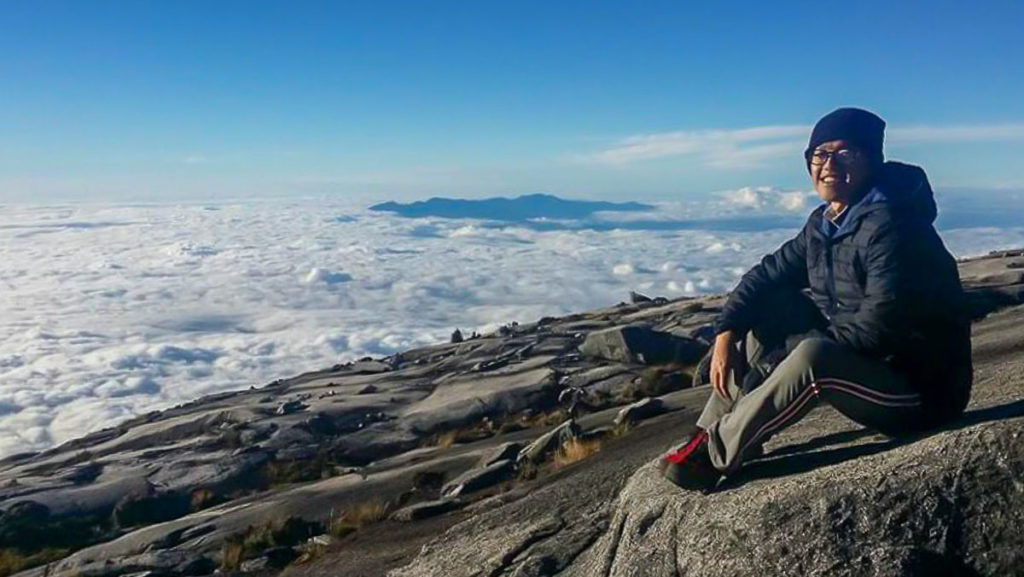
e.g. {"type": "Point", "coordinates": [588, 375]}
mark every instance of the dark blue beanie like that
{"type": "Point", "coordinates": [860, 128]}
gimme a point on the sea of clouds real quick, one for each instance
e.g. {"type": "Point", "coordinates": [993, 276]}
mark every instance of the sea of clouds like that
{"type": "Point", "coordinates": [113, 311]}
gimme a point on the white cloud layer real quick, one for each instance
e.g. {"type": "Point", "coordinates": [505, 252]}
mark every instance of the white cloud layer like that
{"type": "Point", "coordinates": [770, 198]}
{"type": "Point", "coordinates": [111, 311]}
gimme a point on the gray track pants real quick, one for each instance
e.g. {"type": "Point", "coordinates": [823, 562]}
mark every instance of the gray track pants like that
{"type": "Point", "coordinates": [864, 389]}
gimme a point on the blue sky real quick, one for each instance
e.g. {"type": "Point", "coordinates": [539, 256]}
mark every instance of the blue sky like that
{"type": "Point", "coordinates": [659, 100]}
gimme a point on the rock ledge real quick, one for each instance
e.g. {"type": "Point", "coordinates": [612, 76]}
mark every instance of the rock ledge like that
{"type": "Point", "coordinates": [951, 503]}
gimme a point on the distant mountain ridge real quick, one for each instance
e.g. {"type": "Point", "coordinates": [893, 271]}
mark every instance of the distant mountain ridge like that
{"type": "Point", "coordinates": [530, 206]}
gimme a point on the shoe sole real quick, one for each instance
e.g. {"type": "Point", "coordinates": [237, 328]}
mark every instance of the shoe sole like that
{"type": "Point", "coordinates": [678, 477]}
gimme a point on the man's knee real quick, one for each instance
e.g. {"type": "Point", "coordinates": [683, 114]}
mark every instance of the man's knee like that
{"type": "Point", "coordinates": [812, 352]}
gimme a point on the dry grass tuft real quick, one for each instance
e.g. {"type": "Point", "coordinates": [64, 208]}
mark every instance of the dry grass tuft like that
{"type": "Point", "coordinates": [204, 498]}
{"type": "Point", "coordinates": [446, 440]}
{"type": "Point", "coordinates": [482, 429]}
{"type": "Point", "coordinates": [543, 419]}
{"type": "Point", "coordinates": [368, 513]}
{"type": "Point", "coordinates": [575, 451]}
{"type": "Point", "coordinates": [556, 417]}
{"type": "Point", "coordinates": [232, 553]}
{"type": "Point", "coordinates": [621, 429]}
{"type": "Point", "coordinates": [309, 554]}
{"type": "Point", "coordinates": [351, 520]}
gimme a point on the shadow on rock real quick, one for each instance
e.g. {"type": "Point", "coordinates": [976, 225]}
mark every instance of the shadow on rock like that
{"type": "Point", "coordinates": [996, 413]}
{"type": "Point", "coordinates": [816, 443]}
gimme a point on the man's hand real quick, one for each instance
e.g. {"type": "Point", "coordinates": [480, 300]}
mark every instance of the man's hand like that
{"type": "Point", "coordinates": [721, 360]}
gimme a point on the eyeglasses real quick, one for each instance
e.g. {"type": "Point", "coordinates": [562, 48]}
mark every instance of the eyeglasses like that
{"type": "Point", "coordinates": [843, 156]}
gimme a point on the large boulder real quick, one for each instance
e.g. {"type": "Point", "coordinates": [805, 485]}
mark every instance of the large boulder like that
{"type": "Point", "coordinates": [504, 451]}
{"type": "Point", "coordinates": [642, 409]}
{"type": "Point", "coordinates": [950, 504]}
{"type": "Point", "coordinates": [425, 510]}
{"type": "Point", "coordinates": [641, 345]}
{"type": "Point", "coordinates": [477, 479]}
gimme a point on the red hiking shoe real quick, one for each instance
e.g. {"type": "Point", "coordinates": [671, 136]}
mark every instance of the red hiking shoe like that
{"type": "Point", "coordinates": [689, 466]}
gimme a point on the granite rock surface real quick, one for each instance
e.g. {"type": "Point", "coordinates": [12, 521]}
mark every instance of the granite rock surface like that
{"type": "Point", "coordinates": [170, 492]}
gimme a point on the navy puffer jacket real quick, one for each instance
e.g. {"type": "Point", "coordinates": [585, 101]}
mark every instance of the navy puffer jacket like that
{"type": "Point", "coordinates": [885, 283]}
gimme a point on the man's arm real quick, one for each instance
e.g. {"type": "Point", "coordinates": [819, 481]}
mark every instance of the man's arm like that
{"type": "Point", "coordinates": [786, 267]}
{"type": "Point", "coordinates": [875, 327]}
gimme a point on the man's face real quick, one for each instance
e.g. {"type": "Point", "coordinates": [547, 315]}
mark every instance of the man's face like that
{"type": "Point", "coordinates": [838, 170]}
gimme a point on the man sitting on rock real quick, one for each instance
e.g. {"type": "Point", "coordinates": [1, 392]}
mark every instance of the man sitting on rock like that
{"type": "Point", "coordinates": [863, 309]}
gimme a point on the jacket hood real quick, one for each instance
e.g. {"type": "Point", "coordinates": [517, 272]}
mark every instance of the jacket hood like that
{"type": "Point", "coordinates": [908, 192]}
